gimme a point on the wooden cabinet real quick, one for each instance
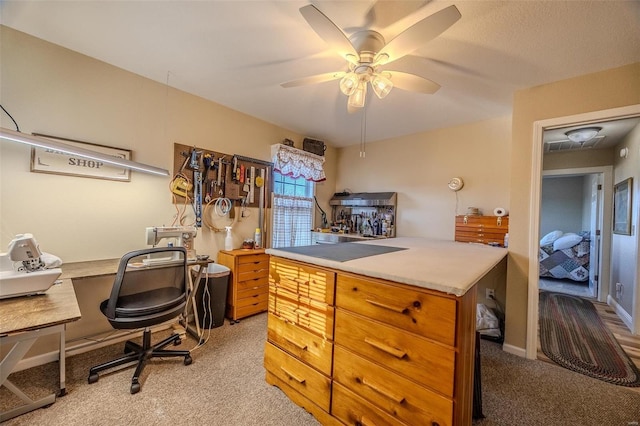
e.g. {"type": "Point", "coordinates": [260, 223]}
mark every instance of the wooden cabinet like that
{"type": "Point", "coordinates": [248, 291]}
{"type": "Point", "coordinates": [374, 351]}
{"type": "Point", "coordinates": [299, 348]}
{"type": "Point", "coordinates": [481, 229]}
{"type": "Point", "coordinates": [404, 351]}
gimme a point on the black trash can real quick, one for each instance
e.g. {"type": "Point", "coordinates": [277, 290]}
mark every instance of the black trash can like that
{"type": "Point", "coordinates": [211, 295]}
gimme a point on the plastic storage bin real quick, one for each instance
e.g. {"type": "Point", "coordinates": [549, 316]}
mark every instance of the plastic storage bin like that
{"type": "Point", "coordinates": [211, 295]}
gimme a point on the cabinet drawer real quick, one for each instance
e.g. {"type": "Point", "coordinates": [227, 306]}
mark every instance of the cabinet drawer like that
{"type": "Point", "coordinates": [304, 379]}
{"type": "Point", "coordinates": [395, 395]}
{"type": "Point", "coordinates": [316, 317]}
{"type": "Point", "coordinates": [310, 348]}
{"type": "Point", "coordinates": [241, 293]}
{"type": "Point", "coordinates": [250, 271]}
{"type": "Point", "coordinates": [409, 309]}
{"type": "Point", "coordinates": [355, 411]}
{"type": "Point", "coordinates": [309, 281]}
{"type": "Point", "coordinates": [252, 300]}
{"type": "Point", "coordinates": [484, 239]}
{"type": "Point", "coordinates": [480, 234]}
{"type": "Point", "coordinates": [253, 258]}
{"type": "Point", "coordinates": [483, 221]}
{"type": "Point", "coordinates": [419, 359]}
{"type": "Point", "coordinates": [245, 311]}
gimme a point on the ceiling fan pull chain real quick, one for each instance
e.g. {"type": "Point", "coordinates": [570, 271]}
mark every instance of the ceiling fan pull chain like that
{"type": "Point", "coordinates": [363, 133]}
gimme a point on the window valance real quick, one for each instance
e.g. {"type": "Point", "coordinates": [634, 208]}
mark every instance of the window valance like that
{"type": "Point", "coordinates": [297, 163]}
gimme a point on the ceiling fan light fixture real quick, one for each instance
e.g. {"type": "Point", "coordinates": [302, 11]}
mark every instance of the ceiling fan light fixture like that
{"type": "Point", "coordinates": [381, 85]}
{"type": "Point", "coordinates": [357, 99]}
{"type": "Point", "coordinates": [583, 135]}
{"type": "Point", "coordinates": [349, 83]}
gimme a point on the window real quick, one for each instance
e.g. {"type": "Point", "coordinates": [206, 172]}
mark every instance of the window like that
{"type": "Point", "coordinates": [292, 211]}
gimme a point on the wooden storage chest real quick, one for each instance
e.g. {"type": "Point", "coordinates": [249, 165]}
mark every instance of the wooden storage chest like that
{"type": "Point", "coordinates": [481, 229]}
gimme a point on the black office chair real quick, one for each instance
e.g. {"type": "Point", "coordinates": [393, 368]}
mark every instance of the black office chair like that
{"type": "Point", "coordinates": [150, 288]}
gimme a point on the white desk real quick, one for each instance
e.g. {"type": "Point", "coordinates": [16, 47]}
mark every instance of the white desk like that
{"type": "Point", "coordinates": [22, 321]}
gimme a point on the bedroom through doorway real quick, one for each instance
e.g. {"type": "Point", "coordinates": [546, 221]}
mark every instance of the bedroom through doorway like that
{"type": "Point", "coordinates": [570, 232]}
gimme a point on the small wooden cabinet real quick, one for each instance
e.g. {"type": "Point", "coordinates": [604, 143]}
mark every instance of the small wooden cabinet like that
{"type": "Point", "coordinates": [248, 291]}
{"type": "Point", "coordinates": [482, 229]}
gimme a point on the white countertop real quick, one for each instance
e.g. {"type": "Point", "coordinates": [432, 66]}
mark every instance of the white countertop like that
{"type": "Point", "coordinates": [446, 266]}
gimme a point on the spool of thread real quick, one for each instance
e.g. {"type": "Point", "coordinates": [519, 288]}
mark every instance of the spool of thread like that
{"type": "Point", "coordinates": [500, 211]}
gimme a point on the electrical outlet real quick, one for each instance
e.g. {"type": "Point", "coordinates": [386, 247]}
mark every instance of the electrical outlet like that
{"type": "Point", "coordinates": [490, 293]}
{"type": "Point", "coordinates": [619, 290]}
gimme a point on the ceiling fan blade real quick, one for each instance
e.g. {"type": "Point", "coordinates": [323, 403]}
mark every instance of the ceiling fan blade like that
{"type": "Point", "coordinates": [420, 33]}
{"type": "Point", "coordinates": [412, 82]}
{"type": "Point", "coordinates": [384, 13]}
{"type": "Point", "coordinates": [330, 33]}
{"type": "Point", "coordinates": [314, 79]}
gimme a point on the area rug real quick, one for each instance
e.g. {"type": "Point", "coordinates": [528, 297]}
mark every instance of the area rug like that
{"type": "Point", "coordinates": [574, 337]}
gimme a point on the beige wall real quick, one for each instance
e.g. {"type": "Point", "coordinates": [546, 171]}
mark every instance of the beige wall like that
{"type": "Point", "coordinates": [594, 92]}
{"type": "Point", "coordinates": [418, 167]}
{"type": "Point", "coordinates": [52, 90]}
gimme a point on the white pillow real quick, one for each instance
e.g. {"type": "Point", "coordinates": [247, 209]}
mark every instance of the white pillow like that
{"type": "Point", "coordinates": [550, 238]}
{"type": "Point", "coordinates": [568, 240]}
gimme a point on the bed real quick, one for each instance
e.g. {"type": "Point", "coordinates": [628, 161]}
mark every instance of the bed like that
{"type": "Point", "coordinates": [565, 256]}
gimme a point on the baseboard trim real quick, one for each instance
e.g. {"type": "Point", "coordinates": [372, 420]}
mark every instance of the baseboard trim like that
{"type": "Point", "coordinates": [624, 315]}
{"type": "Point", "coordinates": [514, 350]}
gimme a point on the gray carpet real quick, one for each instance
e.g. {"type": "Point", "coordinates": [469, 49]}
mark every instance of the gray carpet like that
{"type": "Point", "coordinates": [225, 386]}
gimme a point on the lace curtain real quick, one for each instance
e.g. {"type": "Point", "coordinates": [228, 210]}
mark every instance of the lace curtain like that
{"type": "Point", "coordinates": [297, 163]}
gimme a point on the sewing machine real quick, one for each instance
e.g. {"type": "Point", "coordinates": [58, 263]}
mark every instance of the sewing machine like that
{"type": "Point", "coordinates": [181, 236]}
{"type": "Point", "coordinates": [22, 270]}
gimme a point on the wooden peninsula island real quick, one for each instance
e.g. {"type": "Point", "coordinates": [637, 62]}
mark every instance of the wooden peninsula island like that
{"type": "Point", "coordinates": [379, 332]}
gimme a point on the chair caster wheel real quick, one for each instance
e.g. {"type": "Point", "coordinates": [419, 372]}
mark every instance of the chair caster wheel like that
{"type": "Point", "coordinates": [135, 387]}
{"type": "Point", "coordinates": [93, 378]}
{"type": "Point", "coordinates": [187, 360]}
{"type": "Point", "coordinates": [177, 342]}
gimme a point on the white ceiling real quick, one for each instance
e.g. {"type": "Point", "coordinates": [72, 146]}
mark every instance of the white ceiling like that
{"type": "Point", "coordinates": [237, 53]}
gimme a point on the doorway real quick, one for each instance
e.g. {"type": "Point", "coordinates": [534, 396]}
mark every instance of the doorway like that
{"type": "Point", "coordinates": [536, 182]}
{"type": "Point", "coordinates": [571, 213]}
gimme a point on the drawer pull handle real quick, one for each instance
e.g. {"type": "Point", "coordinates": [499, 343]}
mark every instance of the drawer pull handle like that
{"type": "Point", "coordinates": [365, 421]}
{"type": "Point", "coordinates": [398, 309]}
{"type": "Point", "coordinates": [398, 353]}
{"type": "Point", "coordinates": [293, 376]}
{"type": "Point", "coordinates": [298, 345]}
{"type": "Point", "coordinates": [384, 392]}
{"type": "Point", "coordinates": [301, 281]}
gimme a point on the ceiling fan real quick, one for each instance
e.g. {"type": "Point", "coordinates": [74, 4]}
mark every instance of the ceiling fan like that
{"type": "Point", "coordinates": [367, 52]}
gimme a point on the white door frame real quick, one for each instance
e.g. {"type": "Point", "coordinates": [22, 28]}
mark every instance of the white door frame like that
{"type": "Point", "coordinates": [536, 182]}
{"type": "Point", "coordinates": [604, 265]}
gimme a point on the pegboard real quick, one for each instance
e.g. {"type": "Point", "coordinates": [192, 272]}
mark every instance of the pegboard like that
{"type": "Point", "coordinates": [219, 180]}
